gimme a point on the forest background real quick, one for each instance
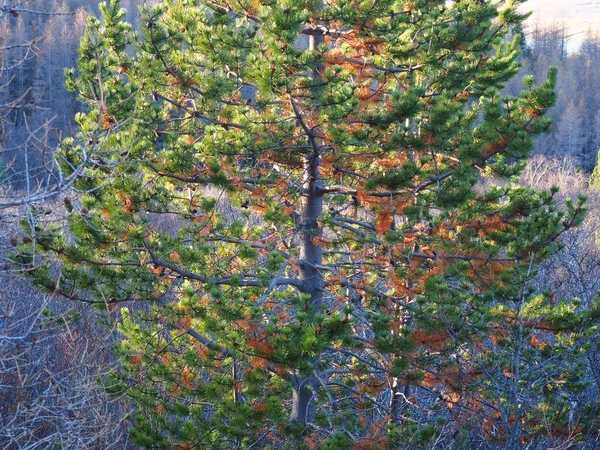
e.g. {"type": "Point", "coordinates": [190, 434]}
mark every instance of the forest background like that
{"type": "Point", "coordinates": [52, 352]}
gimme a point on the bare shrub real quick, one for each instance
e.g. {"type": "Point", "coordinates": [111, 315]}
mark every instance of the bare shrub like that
{"type": "Point", "coordinates": [53, 359]}
{"type": "Point", "coordinates": [543, 172]}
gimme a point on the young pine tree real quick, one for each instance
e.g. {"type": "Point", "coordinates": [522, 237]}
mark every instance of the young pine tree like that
{"type": "Point", "coordinates": [292, 188]}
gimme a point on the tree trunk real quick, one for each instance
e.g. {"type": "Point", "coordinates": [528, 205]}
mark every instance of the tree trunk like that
{"type": "Point", "coordinates": [310, 258]}
{"type": "Point", "coordinates": [303, 408]}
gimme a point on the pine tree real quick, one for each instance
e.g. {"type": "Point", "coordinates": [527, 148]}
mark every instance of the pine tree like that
{"type": "Point", "coordinates": [292, 188]}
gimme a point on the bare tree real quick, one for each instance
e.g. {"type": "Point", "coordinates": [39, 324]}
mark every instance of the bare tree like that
{"type": "Point", "coordinates": [31, 36]}
{"type": "Point", "coordinates": [569, 137]}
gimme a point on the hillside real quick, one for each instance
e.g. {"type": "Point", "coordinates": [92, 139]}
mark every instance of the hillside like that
{"type": "Point", "coordinates": [577, 15]}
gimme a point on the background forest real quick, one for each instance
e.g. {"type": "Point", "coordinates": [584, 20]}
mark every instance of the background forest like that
{"type": "Point", "coordinates": [52, 352]}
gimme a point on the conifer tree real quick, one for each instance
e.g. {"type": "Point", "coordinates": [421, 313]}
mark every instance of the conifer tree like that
{"type": "Point", "coordinates": [292, 188]}
{"type": "Point", "coordinates": [594, 180]}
